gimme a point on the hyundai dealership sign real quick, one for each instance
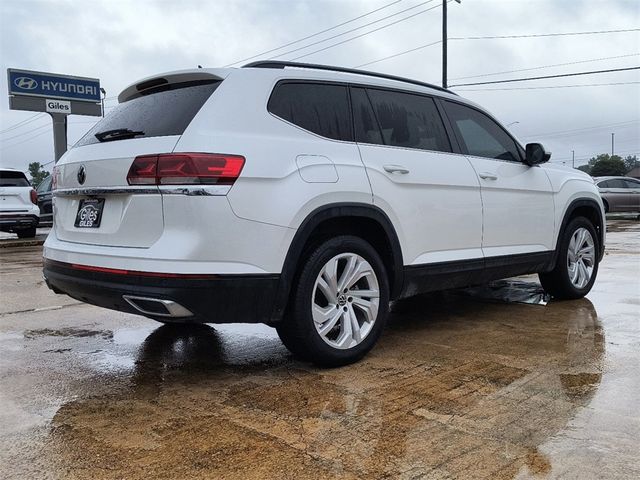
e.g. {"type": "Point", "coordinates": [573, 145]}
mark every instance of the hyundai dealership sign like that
{"type": "Point", "coordinates": [51, 85]}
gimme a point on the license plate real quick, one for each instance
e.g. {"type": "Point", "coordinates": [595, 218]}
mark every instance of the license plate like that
{"type": "Point", "coordinates": [89, 213]}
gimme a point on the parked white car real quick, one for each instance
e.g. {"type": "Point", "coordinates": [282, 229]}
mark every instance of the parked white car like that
{"type": "Point", "coordinates": [307, 197]}
{"type": "Point", "coordinates": [19, 212]}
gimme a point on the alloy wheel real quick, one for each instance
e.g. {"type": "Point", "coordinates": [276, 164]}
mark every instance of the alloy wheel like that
{"type": "Point", "coordinates": [346, 298]}
{"type": "Point", "coordinates": [581, 257]}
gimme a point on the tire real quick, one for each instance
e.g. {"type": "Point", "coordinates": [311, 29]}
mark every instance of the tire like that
{"type": "Point", "coordinates": [27, 232]}
{"type": "Point", "coordinates": [565, 282]}
{"type": "Point", "coordinates": [352, 322]}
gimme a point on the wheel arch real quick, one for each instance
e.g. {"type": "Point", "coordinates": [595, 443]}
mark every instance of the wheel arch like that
{"type": "Point", "coordinates": [584, 207]}
{"type": "Point", "coordinates": [364, 220]}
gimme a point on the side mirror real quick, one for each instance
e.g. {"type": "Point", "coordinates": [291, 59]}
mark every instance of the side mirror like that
{"type": "Point", "coordinates": [536, 154]}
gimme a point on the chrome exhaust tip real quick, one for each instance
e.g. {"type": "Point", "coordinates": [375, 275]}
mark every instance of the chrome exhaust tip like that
{"type": "Point", "coordinates": [157, 307]}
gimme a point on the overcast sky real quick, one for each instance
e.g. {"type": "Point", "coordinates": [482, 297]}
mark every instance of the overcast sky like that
{"type": "Point", "coordinates": [122, 41]}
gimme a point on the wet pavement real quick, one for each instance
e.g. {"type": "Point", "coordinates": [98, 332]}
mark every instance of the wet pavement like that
{"type": "Point", "coordinates": [493, 382]}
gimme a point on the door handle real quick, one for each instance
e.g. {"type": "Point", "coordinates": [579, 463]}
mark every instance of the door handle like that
{"type": "Point", "coordinates": [488, 176]}
{"type": "Point", "coordinates": [395, 169]}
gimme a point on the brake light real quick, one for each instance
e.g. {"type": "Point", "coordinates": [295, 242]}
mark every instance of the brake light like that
{"type": "Point", "coordinates": [34, 196]}
{"type": "Point", "coordinates": [185, 168]}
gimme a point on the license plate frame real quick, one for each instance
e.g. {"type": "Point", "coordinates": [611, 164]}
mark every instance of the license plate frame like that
{"type": "Point", "coordinates": [89, 213]}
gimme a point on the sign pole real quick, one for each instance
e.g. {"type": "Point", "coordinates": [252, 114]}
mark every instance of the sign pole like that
{"type": "Point", "coordinates": [59, 134]}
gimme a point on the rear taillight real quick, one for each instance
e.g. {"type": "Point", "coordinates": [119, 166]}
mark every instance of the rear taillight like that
{"type": "Point", "coordinates": [185, 168]}
{"type": "Point", "coordinates": [34, 196]}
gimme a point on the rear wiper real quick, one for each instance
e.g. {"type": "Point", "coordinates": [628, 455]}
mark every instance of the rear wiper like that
{"type": "Point", "coordinates": [117, 134]}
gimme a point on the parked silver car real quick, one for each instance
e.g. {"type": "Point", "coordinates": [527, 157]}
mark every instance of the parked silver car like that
{"type": "Point", "coordinates": [619, 194]}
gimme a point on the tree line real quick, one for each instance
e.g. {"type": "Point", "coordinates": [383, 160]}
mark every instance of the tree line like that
{"type": "Point", "coordinates": [605, 165]}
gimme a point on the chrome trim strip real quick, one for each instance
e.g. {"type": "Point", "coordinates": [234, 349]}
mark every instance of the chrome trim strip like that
{"type": "Point", "coordinates": [195, 190]}
{"type": "Point", "coordinates": [75, 192]}
{"type": "Point", "coordinates": [188, 190]}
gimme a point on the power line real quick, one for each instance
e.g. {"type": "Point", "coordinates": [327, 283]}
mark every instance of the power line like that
{"type": "Point", "coordinates": [25, 133]}
{"type": "Point", "coordinates": [592, 72]}
{"type": "Point", "coordinates": [23, 141]}
{"type": "Point", "coordinates": [32, 118]}
{"type": "Point", "coordinates": [317, 33]}
{"type": "Point", "coordinates": [399, 54]}
{"type": "Point", "coordinates": [546, 66]}
{"type": "Point", "coordinates": [359, 28]}
{"type": "Point", "coordinates": [538, 35]}
{"type": "Point", "coordinates": [493, 37]}
{"type": "Point", "coordinates": [547, 87]}
{"type": "Point", "coordinates": [606, 125]}
{"type": "Point", "coordinates": [369, 32]}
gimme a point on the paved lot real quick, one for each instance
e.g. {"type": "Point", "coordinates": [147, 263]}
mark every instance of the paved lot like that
{"type": "Point", "coordinates": [460, 386]}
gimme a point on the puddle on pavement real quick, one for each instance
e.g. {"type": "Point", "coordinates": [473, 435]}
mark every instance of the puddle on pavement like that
{"type": "Point", "coordinates": [68, 332]}
{"type": "Point", "coordinates": [463, 390]}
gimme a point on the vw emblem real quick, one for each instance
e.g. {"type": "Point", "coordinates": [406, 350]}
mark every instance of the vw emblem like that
{"type": "Point", "coordinates": [25, 83]}
{"type": "Point", "coordinates": [82, 174]}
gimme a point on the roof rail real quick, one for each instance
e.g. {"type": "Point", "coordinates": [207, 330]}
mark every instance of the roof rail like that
{"type": "Point", "coordinates": [281, 64]}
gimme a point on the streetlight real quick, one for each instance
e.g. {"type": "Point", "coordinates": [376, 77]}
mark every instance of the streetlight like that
{"type": "Point", "coordinates": [104, 94]}
{"type": "Point", "coordinates": [444, 42]}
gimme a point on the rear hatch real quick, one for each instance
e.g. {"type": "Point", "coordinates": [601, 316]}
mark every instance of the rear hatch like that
{"type": "Point", "coordinates": [94, 202]}
{"type": "Point", "coordinates": [15, 192]}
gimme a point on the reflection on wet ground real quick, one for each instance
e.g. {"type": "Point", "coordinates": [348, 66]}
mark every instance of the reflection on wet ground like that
{"type": "Point", "coordinates": [485, 383]}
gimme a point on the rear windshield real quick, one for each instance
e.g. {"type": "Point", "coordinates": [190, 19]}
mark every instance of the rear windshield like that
{"type": "Point", "coordinates": [13, 179]}
{"type": "Point", "coordinates": [155, 114]}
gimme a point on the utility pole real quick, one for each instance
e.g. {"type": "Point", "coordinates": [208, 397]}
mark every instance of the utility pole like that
{"type": "Point", "coordinates": [573, 158]}
{"type": "Point", "coordinates": [612, 143]}
{"type": "Point", "coordinates": [444, 41]}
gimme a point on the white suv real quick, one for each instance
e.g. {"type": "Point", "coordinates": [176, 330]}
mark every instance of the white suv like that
{"type": "Point", "coordinates": [307, 197]}
{"type": "Point", "coordinates": [19, 212]}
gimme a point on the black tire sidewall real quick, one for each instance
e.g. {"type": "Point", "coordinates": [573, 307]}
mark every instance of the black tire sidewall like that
{"type": "Point", "coordinates": [316, 349]}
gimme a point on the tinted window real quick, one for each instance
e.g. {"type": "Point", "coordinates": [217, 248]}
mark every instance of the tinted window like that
{"type": "Point", "coordinates": [408, 120]}
{"type": "Point", "coordinates": [632, 183]}
{"type": "Point", "coordinates": [167, 112]}
{"type": "Point", "coordinates": [480, 135]}
{"type": "Point", "coordinates": [604, 184]}
{"type": "Point", "coordinates": [319, 108]}
{"type": "Point", "coordinates": [13, 179]}
{"type": "Point", "coordinates": [45, 185]}
{"type": "Point", "coordinates": [617, 183]}
{"type": "Point", "coordinates": [364, 120]}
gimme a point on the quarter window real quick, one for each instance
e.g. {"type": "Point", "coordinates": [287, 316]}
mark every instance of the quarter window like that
{"type": "Point", "coordinates": [320, 108]}
{"type": "Point", "coordinates": [479, 135]}
{"type": "Point", "coordinates": [410, 121]}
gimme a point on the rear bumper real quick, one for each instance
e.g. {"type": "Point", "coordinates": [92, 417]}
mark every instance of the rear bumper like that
{"type": "Point", "coordinates": [210, 298]}
{"type": "Point", "coordinates": [10, 222]}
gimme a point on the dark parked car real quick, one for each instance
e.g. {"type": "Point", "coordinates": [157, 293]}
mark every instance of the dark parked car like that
{"type": "Point", "coordinates": [44, 202]}
{"type": "Point", "coordinates": [619, 194]}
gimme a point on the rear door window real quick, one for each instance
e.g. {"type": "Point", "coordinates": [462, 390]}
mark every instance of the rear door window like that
{"type": "Point", "coordinates": [9, 178]}
{"type": "Point", "coordinates": [632, 183]}
{"type": "Point", "coordinates": [410, 121]}
{"type": "Point", "coordinates": [319, 108]}
{"type": "Point", "coordinates": [162, 112]}
{"type": "Point", "coordinates": [479, 135]}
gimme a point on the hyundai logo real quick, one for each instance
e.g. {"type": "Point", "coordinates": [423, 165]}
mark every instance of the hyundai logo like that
{"type": "Point", "coordinates": [25, 83]}
{"type": "Point", "coordinates": [82, 174]}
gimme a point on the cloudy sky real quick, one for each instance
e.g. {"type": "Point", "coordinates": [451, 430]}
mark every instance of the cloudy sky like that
{"type": "Point", "coordinates": [122, 41]}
